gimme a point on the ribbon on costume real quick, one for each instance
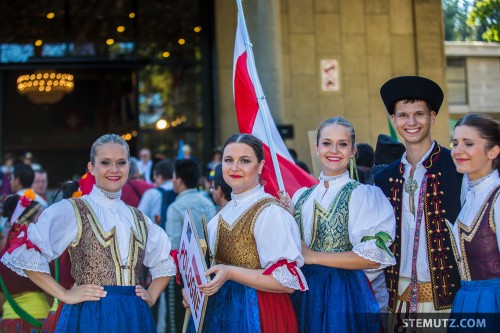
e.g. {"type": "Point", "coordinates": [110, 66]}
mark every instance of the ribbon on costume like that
{"type": "Point", "coordinates": [21, 240]}
{"type": "Point", "coordinates": [292, 268]}
{"type": "Point", "coordinates": [381, 238]}
{"type": "Point", "coordinates": [174, 254]}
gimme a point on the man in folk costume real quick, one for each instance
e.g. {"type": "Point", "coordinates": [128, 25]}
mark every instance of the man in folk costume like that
{"type": "Point", "coordinates": [424, 189]}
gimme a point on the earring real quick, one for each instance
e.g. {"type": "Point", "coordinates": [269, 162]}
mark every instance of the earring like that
{"type": "Point", "coordinates": [353, 169]}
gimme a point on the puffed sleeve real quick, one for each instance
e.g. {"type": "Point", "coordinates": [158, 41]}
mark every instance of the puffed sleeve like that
{"type": "Point", "coordinates": [278, 244]}
{"type": "Point", "coordinates": [157, 255]}
{"type": "Point", "coordinates": [44, 240]}
{"type": "Point", "coordinates": [372, 225]}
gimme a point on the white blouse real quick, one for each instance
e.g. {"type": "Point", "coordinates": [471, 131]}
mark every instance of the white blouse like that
{"type": "Point", "coordinates": [57, 228]}
{"type": "Point", "coordinates": [369, 212]}
{"type": "Point", "coordinates": [276, 234]}
{"type": "Point", "coordinates": [475, 198]}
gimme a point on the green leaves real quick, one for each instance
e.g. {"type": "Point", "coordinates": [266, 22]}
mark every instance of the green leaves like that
{"type": "Point", "coordinates": [381, 238]}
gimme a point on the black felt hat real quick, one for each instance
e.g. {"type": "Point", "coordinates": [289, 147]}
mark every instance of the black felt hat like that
{"type": "Point", "coordinates": [411, 87]}
{"type": "Point", "coordinates": [388, 150]}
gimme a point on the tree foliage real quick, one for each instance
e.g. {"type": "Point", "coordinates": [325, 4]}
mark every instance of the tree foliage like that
{"type": "Point", "coordinates": [455, 14]}
{"type": "Point", "coordinates": [486, 14]}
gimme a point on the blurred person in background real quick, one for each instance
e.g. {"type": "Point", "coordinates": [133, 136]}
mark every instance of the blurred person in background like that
{"type": "Point", "coordinates": [364, 160]}
{"type": "Point", "coordinates": [221, 191]}
{"type": "Point", "coordinates": [40, 183]}
{"type": "Point", "coordinates": [26, 306]}
{"type": "Point", "coordinates": [145, 164]}
{"type": "Point", "coordinates": [22, 179]}
{"type": "Point", "coordinates": [135, 186]}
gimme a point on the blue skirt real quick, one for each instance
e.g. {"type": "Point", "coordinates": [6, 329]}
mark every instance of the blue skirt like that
{"type": "Point", "coordinates": [480, 296]}
{"type": "Point", "coordinates": [234, 308]}
{"type": "Point", "coordinates": [120, 311]}
{"type": "Point", "coordinates": [338, 300]}
{"type": "Point", "coordinates": [478, 301]}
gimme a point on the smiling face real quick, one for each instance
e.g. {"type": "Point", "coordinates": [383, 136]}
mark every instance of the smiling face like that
{"type": "Point", "coordinates": [110, 167]}
{"type": "Point", "coordinates": [413, 122]}
{"type": "Point", "coordinates": [471, 154]}
{"type": "Point", "coordinates": [240, 167]}
{"type": "Point", "coordinates": [334, 149]}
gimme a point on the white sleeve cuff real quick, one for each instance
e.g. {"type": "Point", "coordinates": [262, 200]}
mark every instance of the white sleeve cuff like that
{"type": "Point", "coordinates": [26, 259]}
{"type": "Point", "coordinates": [166, 267]}
{"type": "Point", "coordinates": [369, 250]}
{"type": "Point", "coordinates": [283, 275]}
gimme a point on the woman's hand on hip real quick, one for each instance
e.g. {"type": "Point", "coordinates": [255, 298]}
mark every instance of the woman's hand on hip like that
{"type": "Point", "coordinates": [144, 295]}
{"type": "Point", "coordinates": [88, 292]}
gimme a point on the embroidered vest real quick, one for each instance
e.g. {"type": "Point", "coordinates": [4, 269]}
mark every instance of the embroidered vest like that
{"type": "Point", "coordinates": [235, 244]}
{"type": "Point", "coordinates": [478, 243]}
{"type": "Point", "coordinates": [330, 229]}
{"type": "Point", "coordinates": [95, 258]}
{"type": "Point", "coordinates": [445, 278]}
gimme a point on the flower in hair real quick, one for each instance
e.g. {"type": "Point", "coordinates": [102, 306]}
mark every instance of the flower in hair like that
{"type": "Point", "coordinates": [77, 194]}
{"type": "Point", "coordinates": [86, 183]}
{"type": "Point", "coordinates": [27, 197]}
{"type": "Point", "coordinates": [30, 194]}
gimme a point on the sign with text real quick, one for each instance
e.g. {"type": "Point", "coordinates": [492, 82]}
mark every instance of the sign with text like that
{"type": "Point", "coordinates": [192, 267]}
{"type": "Point", "coordinates": [330, 75]}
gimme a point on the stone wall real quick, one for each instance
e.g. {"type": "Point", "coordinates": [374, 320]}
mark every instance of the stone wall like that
{"type": "Point", "coordinates": [372, 40]}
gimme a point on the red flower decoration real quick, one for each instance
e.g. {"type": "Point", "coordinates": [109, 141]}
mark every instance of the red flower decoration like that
{"type": "Point", "coordinates": [24, 201]}
{"type": "Point", "coordinates": [86, 183]}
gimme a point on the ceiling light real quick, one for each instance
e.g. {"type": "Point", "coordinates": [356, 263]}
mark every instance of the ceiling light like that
{"type": "Point", "coordinates": [44, 86]}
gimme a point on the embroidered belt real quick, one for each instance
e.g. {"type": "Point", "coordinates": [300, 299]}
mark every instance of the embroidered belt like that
{"type": "Point", "coordinates": [424, 293]}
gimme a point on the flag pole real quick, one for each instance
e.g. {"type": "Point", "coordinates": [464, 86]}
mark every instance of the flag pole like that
{"type": "Point", "coordinates": [260, 94]}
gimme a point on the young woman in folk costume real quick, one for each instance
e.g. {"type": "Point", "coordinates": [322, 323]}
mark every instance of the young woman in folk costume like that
{"type": "Point", "coordinates": [476, 154]}
{"type": "Point", "coordinates": [255, 245]}
{"type": "Point", "coordinates": [62, 264]}
{"type": "Point", "coordinates": [108, 241]}
{"type": "Point", "coordinates": [26, 305]}
{"type": "Point", "coordinates": [346, 227]}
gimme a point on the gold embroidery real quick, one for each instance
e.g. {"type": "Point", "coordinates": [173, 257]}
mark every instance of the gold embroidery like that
{"type": "Point", "coordinates": [456, 253]}
{"type": "Point", "coordinates": [492, 216]}
{"type": "Point", "coordinates": [78, 222]}
{"type": "Point", "coordinates": [235, 244]}
{"type": "Point", "coordinates": [96, 249]}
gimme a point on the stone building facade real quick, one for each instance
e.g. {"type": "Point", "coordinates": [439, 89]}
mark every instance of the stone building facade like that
{"type": "Point", "coordinates": [372, 41]}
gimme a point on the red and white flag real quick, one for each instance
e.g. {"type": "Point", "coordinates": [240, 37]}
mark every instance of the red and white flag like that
{"type": "Point", "coordinates": [250, 114]}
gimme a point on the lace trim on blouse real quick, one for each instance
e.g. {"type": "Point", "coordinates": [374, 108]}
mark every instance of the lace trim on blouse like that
{"type": "Point", "coordinates": [370, 251]}
{"type": "Point", "coordinates": [25, 259]}
{"type": "Point", "coordinates": [324, 178]}
{"type": "Point", "coordinates": [111, 195]}
{"type": "Point", "coordinates": [166, 267]}
{"type": "Point", "coordinates": [283, 275]}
